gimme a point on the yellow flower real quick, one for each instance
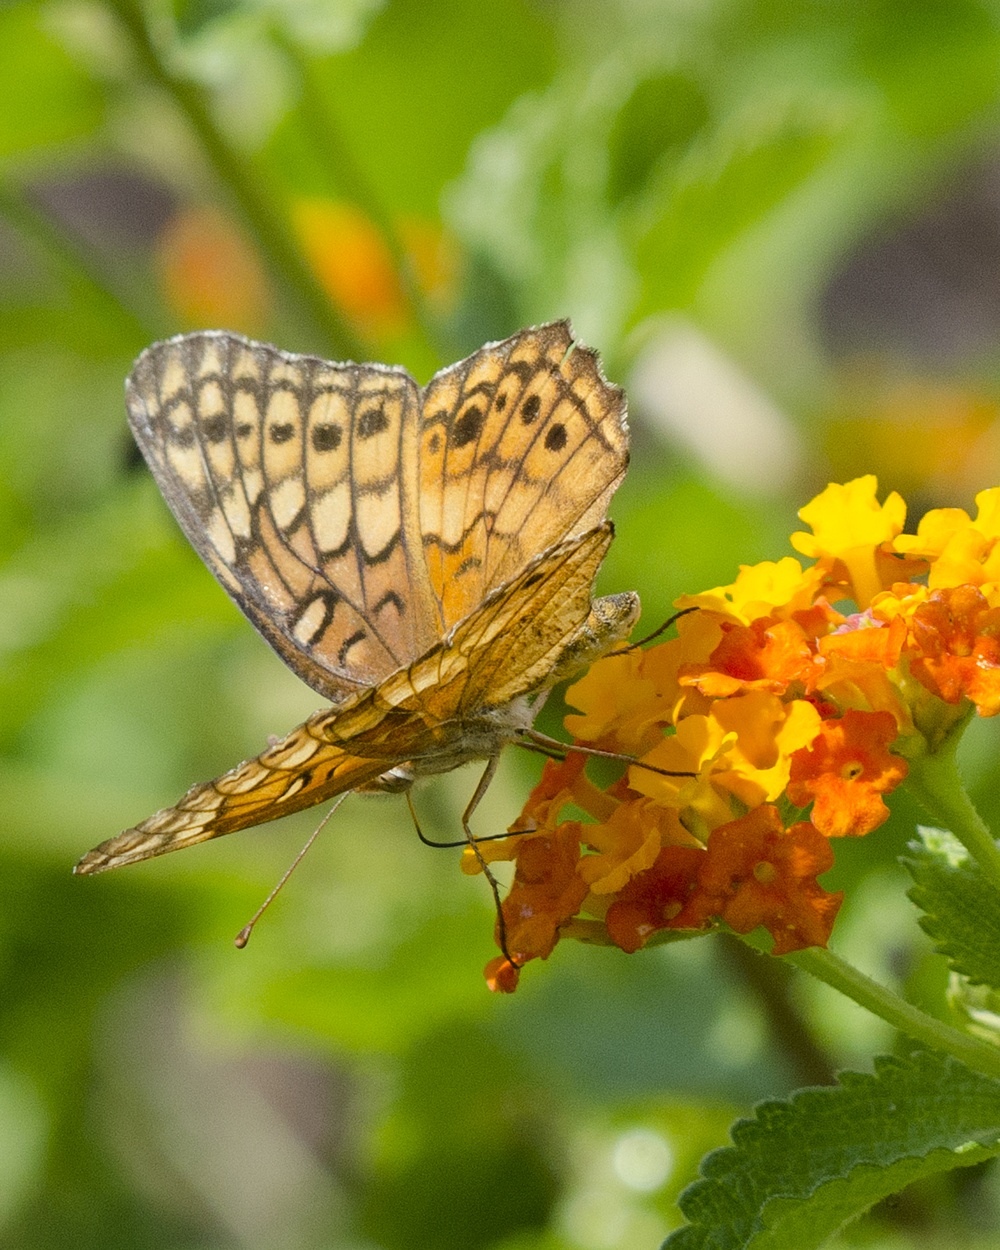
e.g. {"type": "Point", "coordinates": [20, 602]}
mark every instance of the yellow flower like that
{"type": "Point", "coordinates": [962, 551]}
{"type": "Point", "coordinates": [767, 733]}
{"type": "Point", "coordinates": [769, 588]}
{"type": "Point", "coordinates": [850, 525]}
{"type": "Point", "coordinates": [627, 844]}
{"type": "Point", "coordinates": [774, 696]}
{"type": "Point", "coordinates": [697, 745]}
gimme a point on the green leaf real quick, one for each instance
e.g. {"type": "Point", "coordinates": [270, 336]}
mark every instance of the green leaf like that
{"type": "Point", "coordinates": [800, 1169]}
{"type": "Point", "coordinates": [961, 906]}
{"type": "Point", "coordinates": [720, 191]}
{"type": "Point", "coordinates": [661, 116]}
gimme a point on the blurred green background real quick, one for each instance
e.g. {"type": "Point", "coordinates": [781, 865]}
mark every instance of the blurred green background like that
{"type": "Point", "coordinates": [779, 222]}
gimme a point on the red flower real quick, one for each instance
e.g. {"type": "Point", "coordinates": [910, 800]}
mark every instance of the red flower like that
{"type": "Point", "coordinates": [756, 873]}
{"type": "Point", "coordinates": [546, 891]}
{"type": "Point", "coordinates": [501, 975]}
{"type": "Point", "coordinates": [653, 899]}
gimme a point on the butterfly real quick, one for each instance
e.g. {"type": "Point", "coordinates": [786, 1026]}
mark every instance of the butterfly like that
{"type": "Point", "coordinates": [423, 558]}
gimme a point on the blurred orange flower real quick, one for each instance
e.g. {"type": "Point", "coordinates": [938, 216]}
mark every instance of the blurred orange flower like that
{"type": "Point", "coordinates": [210, 273]}
{"type": "Point", "coordinates": [356, 267]}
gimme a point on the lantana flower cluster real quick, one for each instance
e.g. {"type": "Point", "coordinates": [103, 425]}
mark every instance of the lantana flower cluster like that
{"type": "Point", "coordinates": [789, 704]}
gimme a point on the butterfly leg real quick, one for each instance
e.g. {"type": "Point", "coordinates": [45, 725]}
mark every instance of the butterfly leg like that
{"type": "Point", "coordinates": [484, 784]}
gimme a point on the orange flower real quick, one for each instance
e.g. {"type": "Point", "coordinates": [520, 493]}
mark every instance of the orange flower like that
{"type": "Point", "coordinates": [845, 771]}
{"type": "Point", "coordinates": [627, 843]}
{"type": "Point", "coordinates": [546, 892]}
{"type": "Point", "coordinates": [652, 900]}
{"type": "Point", "coordinates": [210, 273]}
{"type": "Point", "coordinates": [957, 649]}
{"type": "Point", "coordinates": [767, 654]}
{"type": "Point", "coordinates": [866, 639]}
{"type": "Point", "coordinates": [768, 696]}
{"type": "Point", "coordinates": [756, 872]}
{"type": "Point", "coordinates": [626, 700]}
{"type": "Point", "coordinates": [501, 975]}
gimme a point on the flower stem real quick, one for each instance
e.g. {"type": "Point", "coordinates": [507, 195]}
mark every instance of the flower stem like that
{"type": "Point", "coordinates": [836, 972]}
{"type": "Point", "coordinates": [934, 780]}
{"type": "Point", "coordinates": [244, 184]}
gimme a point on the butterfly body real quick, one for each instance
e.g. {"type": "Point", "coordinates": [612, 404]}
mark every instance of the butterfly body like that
{"type": "Point", "coordinates": [422, 558]}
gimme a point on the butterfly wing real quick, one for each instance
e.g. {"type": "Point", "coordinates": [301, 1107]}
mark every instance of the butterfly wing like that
{"type": "Point", "coordinates": [508, 646]}
{"type": "Point", "coordinates": [425, 563]}
{"type": "Point", "coordinates": [302, 769]}
{"type": "Point", "coordinates": [513, 643]}
{"type": "Point", "coordinates": [354, 519]}
{"type": "Point", "coordinates": [286, 474]}
{"type": "Point", "coordinates": [521, 445]}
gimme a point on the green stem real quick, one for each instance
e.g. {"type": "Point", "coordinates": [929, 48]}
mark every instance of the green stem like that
{"type": "Point", "coordinates": [244, 183]}
{"type": "Point", "coordinates": [834, 971]}
{"type": "Point", "coordinates": [934, 780]}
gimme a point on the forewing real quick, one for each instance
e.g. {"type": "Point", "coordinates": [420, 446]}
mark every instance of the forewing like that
{"type": "Point", "coordinates": [521, 446]}
{"type": "Point", "coordinates": [286, 474]}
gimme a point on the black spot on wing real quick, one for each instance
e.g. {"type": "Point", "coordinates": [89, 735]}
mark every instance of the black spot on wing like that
{"type": "Point", "coordinates": [530, 409]}
{"type": "Point", "coordinates": [281, 433]}
{"type": "Point", "coordinates": [467, 426]}
{"type": "Point", "coordinates": [371, 422]}
{"type": "Point", "coordinates": [216, 427]}
{"type": "Point", "coordinates": [555, 439]}
{"type": "Point", "coordinates": [326, 437]}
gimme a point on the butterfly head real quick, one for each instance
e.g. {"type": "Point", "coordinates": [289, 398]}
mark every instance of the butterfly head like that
{"type": "Point", "coordinates": [610, 621]}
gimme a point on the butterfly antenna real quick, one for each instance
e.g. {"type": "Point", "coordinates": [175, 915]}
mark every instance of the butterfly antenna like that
{"type": "Point", "coordinates": [662, 629]}
{"type": "Point", "coordinates": [243, 936]}
{"type": "Point", "coordinates": [537, 741]}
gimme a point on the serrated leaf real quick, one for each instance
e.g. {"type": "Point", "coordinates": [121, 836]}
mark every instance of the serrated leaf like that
{"type": "Point", "coordinates": [800, 1168]}
{"type": "Point", "coordinates": [961, 906]}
